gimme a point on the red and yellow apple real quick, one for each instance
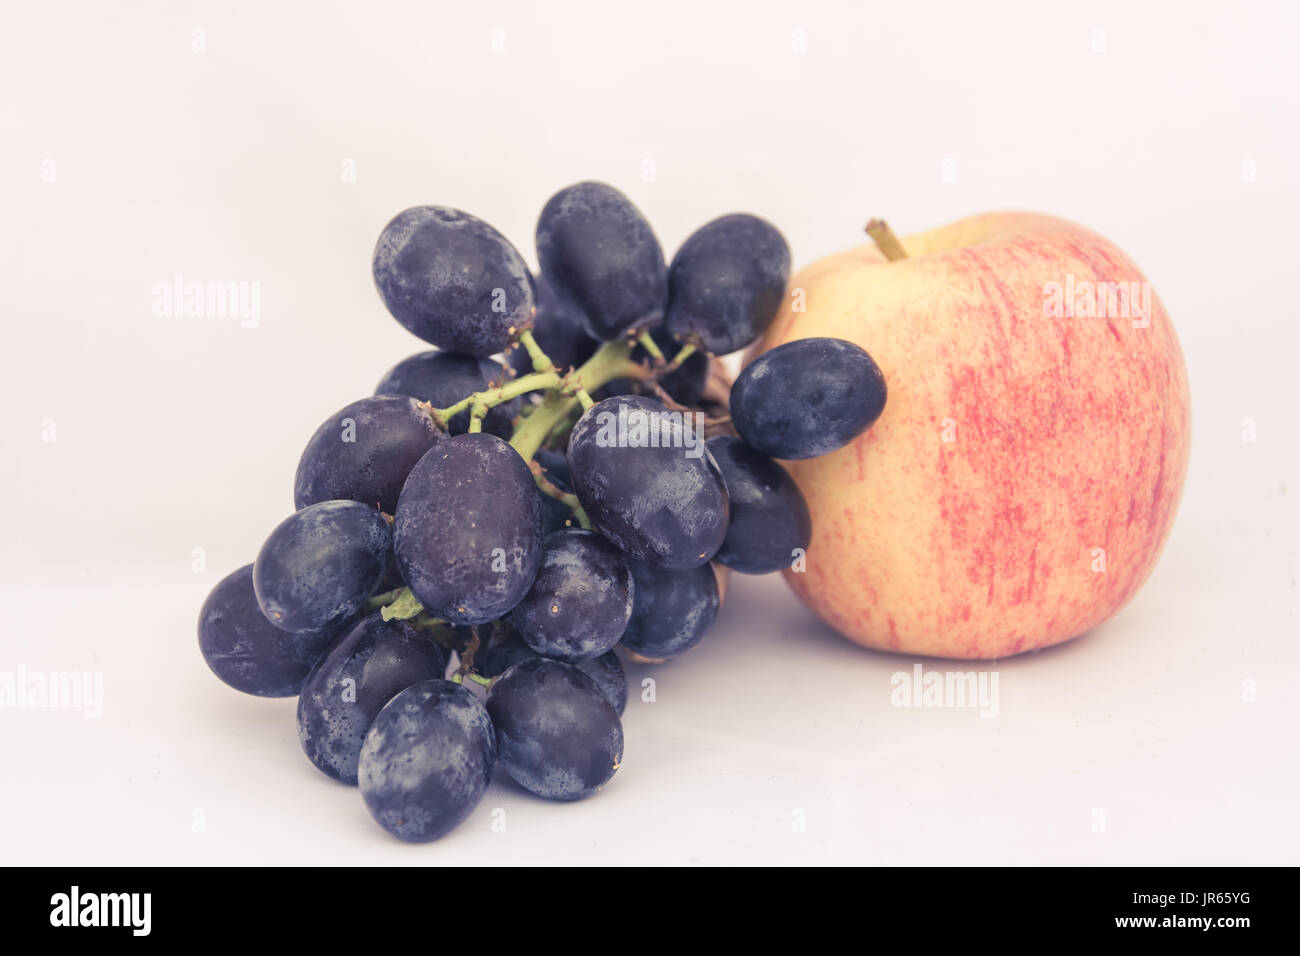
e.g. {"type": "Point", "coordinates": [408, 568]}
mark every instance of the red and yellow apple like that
{"type": "Point", "coordinates": [1022, 480]}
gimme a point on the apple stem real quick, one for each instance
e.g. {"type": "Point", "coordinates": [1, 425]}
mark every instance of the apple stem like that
{"type": "Point", "coordinates": [885, 240]}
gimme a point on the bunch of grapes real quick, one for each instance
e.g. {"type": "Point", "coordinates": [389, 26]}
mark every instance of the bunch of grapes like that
{"type": "Point", "coordinates": [511, 523]}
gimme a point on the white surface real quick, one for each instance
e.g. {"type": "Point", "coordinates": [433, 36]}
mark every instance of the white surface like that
{"type": "Point", "coordinates": [176, 434]}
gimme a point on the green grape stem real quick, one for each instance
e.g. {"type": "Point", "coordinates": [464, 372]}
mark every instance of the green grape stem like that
{"type": "Point", "coordinates": [404, 605]}
{"type": "Point", "coordinates": [476, 413]}
{"type": "Point", "coordinates": [686, 352]}
{"type": "Point", "coordinates": [647, 342]}
{"type": "Point", "coordinates": [570, 499]}
{"type": "Point", "coordinates": [541, 361]}
{"type": "Point", "coordinates": [612, 360]}
{"type": "Point", "coordinates": [467, 658]}
{"type": "Point", "coordinates": [491, 397]}
{"type": "Point", "coordinates": [384, 599]}
{"type": "Point", "coordinates": [565, 395]}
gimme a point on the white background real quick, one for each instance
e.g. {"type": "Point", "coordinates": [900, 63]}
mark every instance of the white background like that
{"type": "Point", "coordinates": [177, 434]}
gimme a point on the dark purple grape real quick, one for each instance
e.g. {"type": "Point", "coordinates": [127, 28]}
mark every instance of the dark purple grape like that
{"type": "Point", "coordinates": [607, 671]}
{"type": "Point", "coordinates": [506, 649]}
{"type": "Point", "coordinates": [453, 280]}
{"type": "Point", "coordinates": [598, 252]}
{"type": "Point", "coordinates": [458, 637]}
{"type": "Point", "coordinates": [556, 515]}
{"type": "Point", "coordinates": [443, 378]}
{"type": "Point", "coordinates": [392, 579]}
{"type": "Point", "coordinates": [557, 734]}
{"type": "Point", "coordinates": [769, 517]}
{"type": "Point", "coordinates": [468, 530]}
{"type": "Point", "coordinates": [556, 465]}
{"type": "Point", "coordinates": [665, 503]}
{"type": "Point", "coordinates": [364, 452]}
{"type": "Point", "coordinates": [671, 610]}
{"type": "Point", "coordinates": [353, 682]}
{"type": "Point", "coordinates": [580, 600]}
{"type": "Point", "coordinates": [320, 564]}
{"type": "Point", "coordinates": [246, 650]}
{"type": "Point", "coordinates": [727, 283]}
{"type": "Point", "coordinates": [807, 398]}
{"type": "Point", "coordinates": [558, 330]}
{"type": "Point", "coordinates": [427, 760]}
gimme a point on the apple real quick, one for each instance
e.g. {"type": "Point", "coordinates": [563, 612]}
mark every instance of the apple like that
{"type": "Point", "coordinates": [1021, 482]}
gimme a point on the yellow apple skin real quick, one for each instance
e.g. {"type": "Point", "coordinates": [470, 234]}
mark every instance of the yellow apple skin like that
{"type": "Point", "coordinates": [966, 522]}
